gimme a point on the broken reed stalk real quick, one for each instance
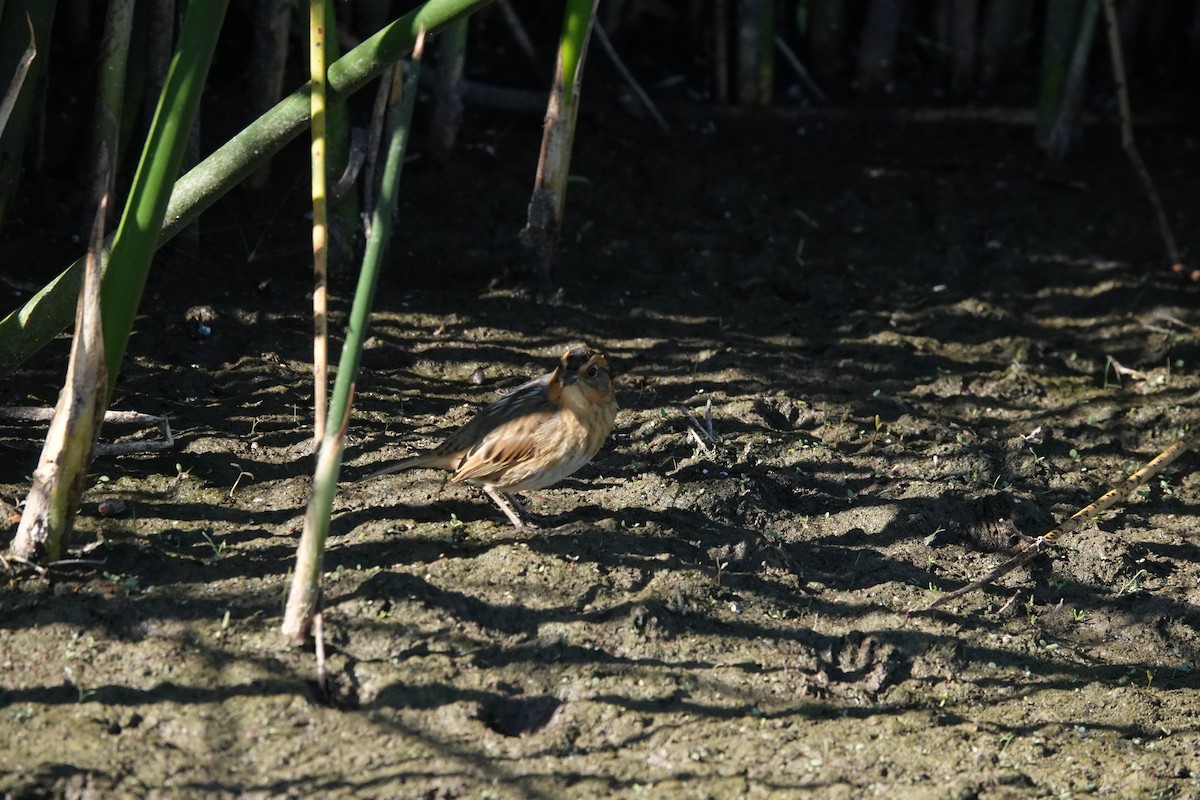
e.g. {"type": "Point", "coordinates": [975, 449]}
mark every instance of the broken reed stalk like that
{"type": "Point", "coordinates": [61, 472]}
{"type": "Point", "coordinates": [108, 304]}
{"type": "Point", "coordinates": [320, 226]}
{"type": "Point", "coordinates": [1027, 551]}
{"type": "Point", "coordinates": [42, 414]}
{"type": "Point", "coordinates": [304, 596]}
{"type": "Point", "coordinates": [1127, 142]}
{"type": "Point", "coordinates": [539, 238]}
{"type": "Point", "coordinates": [802, 73]}
{"type": "Point", "coordinates": [27, 329]}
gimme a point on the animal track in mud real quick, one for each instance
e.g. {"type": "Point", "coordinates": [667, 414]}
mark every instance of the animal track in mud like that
{"type": "Point", "coordinates": [517, 716]}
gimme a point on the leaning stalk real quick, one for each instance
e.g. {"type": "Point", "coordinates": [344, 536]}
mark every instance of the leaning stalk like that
{"type": "Point", "coordinates": [304, 597]}
{"type": "Point", "coordinates": [141, 225]}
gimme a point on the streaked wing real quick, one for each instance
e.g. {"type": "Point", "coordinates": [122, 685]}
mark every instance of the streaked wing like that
{"type": "Point", "coordinates": [509, 445]}
{"type": "Point", "coordinates": [528, 398]}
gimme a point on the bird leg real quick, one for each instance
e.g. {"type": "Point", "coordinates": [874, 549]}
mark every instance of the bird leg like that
{"type": "Point", "coordinates": [508, 510]}
{"type": "Point", "coordinates": [518, 502]}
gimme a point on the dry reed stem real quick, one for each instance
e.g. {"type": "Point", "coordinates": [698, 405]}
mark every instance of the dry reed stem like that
{"type": "Point", "coordinates": [1033, 547]}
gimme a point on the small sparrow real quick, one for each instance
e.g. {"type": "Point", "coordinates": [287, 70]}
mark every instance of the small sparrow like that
{"type": "Point", "coordinates": [540, 433]}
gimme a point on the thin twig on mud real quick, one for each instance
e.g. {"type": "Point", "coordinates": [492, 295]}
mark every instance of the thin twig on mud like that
{"type": "Point", "coordinates": [700, 443]}
{"type": "Point", "coordinates": [1123, 371]}
{"type": "Point", "coordinates": [44, 569]}
{"type": "Point", "coordinates": [703, 435]}
{"type": "Point", "coordinates": [38, 414]}
{"type": "Point", "coordinates": [1016, 596]}
{"type": "Point", "coordinates": [1029, 550]}
{"type": "Point", "coordinates": [1148, 324]}
{"type": "Point", "coordinates": [319, 651]}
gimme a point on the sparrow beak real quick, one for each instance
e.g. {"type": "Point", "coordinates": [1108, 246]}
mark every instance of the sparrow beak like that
{"type": "Point", "coordinates": [569, 377]}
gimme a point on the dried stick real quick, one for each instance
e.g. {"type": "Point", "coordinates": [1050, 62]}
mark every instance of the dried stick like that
{"type": "Point", "coordinates": [1127, 142]}
{"type": "Point", "coordinates": [700, 433]}
{"type": "Point", "coordinates": [37, 414]}
{"type": "Point", "coordinates": [1027, 551]}
{"type": "Point", "coordinates": [7, 564]}
{"type": "Point", "coordinates": [319, 649]}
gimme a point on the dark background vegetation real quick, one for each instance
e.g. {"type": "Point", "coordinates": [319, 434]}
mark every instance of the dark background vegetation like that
{"type": "Point", "coordinates": [885, 59]}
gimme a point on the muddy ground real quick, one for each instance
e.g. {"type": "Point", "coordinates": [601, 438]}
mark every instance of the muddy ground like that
{"type": "Point", "coordinates": [906, 335]}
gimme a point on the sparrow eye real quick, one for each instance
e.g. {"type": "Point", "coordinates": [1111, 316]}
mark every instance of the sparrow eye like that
{"type": "Point", "coordinates": [592, 372]}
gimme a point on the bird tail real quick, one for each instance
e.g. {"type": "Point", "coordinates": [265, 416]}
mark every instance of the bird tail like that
{"type": "Point", "coordinates": [432, 459]}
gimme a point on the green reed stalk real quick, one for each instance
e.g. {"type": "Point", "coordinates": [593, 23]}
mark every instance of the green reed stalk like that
{"type": "Point", "coordinates": [141, 225]}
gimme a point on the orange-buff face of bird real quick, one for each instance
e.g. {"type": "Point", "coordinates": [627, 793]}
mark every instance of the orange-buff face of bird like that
{"type": "Point", "coordinates": [582, 380]}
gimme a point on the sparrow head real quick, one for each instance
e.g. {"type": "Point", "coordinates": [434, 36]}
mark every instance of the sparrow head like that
{"type": "Point", "coordinates": [585, 377]}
